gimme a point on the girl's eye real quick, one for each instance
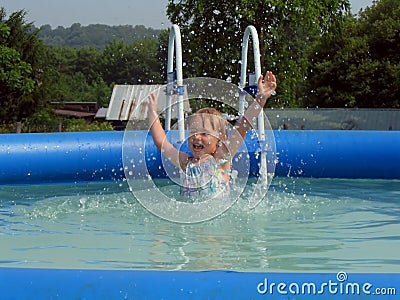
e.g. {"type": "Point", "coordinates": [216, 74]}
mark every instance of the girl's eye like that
{"type": "Point", "coordinates": [198, 134]}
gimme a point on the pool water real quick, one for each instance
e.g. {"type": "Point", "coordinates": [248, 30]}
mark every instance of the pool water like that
{"type": "Point", "coordinates": [303, 225]}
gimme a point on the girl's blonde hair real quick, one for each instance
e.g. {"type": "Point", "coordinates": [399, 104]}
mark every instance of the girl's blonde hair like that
{"type": "Point", "coordinates": [212, 118]}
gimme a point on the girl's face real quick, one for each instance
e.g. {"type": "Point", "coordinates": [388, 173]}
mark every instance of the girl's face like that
{"type": "Point", "coordinates": [202, 140]}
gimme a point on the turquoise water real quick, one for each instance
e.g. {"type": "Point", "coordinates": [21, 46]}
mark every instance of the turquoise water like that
{"type": "Point", "coordinates": [303, 225]}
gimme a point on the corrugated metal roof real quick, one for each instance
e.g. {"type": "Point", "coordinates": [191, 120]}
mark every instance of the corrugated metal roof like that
{"type": "Point", "coordinates": [129, 102]}
{"type": "Point", "coordinates": [101, 113]}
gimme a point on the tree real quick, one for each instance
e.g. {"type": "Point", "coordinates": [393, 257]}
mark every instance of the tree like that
{"type": "Point", "coordinates": [13, 70]}
{"type": "Point", "coordinates": [210, 38]}
{"type": "Point", "coordinates": [362, 67]}
{"type": "Point", "coordinates": [20, 68]}
{"type": "Point", "coordinates": [74, 75]}
{"type": "Point", "coordinates": [135, 63]}
{"type": "Point", "coordinates": [88, 63]}
{"type": "Point", "coordinates": [162, 54]}
{"type": "Point", "coordinates": [212, 33]}
{"type": "Point", "coordinates": [94, 35]}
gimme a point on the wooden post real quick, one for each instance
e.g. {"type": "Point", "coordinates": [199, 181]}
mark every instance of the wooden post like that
{"type": "Point", "coordinates": [18, 126]}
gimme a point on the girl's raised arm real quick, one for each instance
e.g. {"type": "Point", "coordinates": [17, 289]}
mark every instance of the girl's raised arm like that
{"type": "Point", "coordinates": [266, 86]}
{"type": "Point", "coordinates": [176, 157]}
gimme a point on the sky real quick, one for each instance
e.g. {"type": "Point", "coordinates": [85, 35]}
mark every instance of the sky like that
{"type": "Point", "coordinates": [150, 13]}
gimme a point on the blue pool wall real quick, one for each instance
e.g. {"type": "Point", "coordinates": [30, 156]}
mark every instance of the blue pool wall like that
{"type": "Point", "coordinates": [93, 156]}
{"type": "Point", "coordinates": [61, 284]}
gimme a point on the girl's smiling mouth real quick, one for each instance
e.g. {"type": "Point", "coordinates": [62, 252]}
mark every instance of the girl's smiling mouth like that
{"type": "Point", "coordinates": [197, 146]}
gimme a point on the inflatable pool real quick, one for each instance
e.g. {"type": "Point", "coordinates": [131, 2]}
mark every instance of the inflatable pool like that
{"type": "Point", "coordinates": [69, 157]}
{"type": "Point", "coordinates": [34, 159]}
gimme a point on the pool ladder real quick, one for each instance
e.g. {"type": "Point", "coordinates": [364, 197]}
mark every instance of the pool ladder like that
{"type": "Point", "coordinates": [175, 87]}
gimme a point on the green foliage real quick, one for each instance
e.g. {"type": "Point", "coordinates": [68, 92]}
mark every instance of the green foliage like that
{"type": "Point", "coordinates": [19, 68]}
{"type": "Point", "coordinates": [322, 55]}
{"type": "Point", "coordinates": [135, 63]}
{"type": "Point", "coordinates": [46, 121]}
{"type": "Point", "coordinates": [209, 35]}
{"type": "Point", "coordinates": [7, 128]}
{"type": "Point", "coordinates": [72, 125]}
{"type": "Point", "coordinates": [95, 35]}
{"type": "Point", "coordinates": [43, 121]}
{"type": "Point", "coordinates": [362, 67]}
{"type": "Point", "coordinates": [87, 74]}
{"type": "Point", "coordinates": [212, 34]}
{"type": "Point", "coordinates": [162, 54]}
{"type": "Point", "coordinates": [14, 73]}
{"type": "Point", "coordinates": [74, 75]}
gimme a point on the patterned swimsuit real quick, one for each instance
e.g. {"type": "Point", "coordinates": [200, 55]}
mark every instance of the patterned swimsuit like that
{"type": "Point", "coordinates": [203, 179]}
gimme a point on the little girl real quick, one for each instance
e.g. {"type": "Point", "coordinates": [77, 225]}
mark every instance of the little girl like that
{"type": "Point", "coordinates": [206, 173]}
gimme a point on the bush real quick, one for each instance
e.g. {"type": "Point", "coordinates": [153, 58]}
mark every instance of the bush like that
{"type": "Point", "coordinates": [42, 121]}
{"type": "Point", "coordinates": [47, 121]}
{"type": "Point", "coordinates": [81, 125]}
{"type": "Point", "coordinates": [7, 128]}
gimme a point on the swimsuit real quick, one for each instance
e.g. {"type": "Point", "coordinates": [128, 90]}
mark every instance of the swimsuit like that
{"type": "Point", "coordinates": [203, 179]}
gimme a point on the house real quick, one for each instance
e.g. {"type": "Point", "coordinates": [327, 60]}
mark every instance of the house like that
{"type": "Point", "coordinates": [84, 110]}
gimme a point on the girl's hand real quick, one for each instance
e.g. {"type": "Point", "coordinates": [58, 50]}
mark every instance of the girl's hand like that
{"type": "Point", "coordinates": [152, 103]}
{"type": "Point", "coordinates": [266, 87]}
